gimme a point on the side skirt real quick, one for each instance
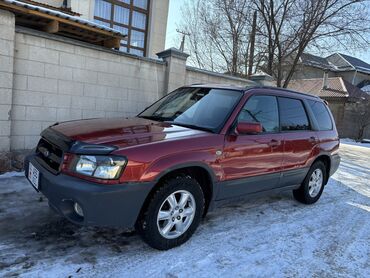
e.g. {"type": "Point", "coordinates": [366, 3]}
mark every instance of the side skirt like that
{"type": "Point", "coordinates": [250, 196]}
{"type": "Point", "coordinates": [257, 186]}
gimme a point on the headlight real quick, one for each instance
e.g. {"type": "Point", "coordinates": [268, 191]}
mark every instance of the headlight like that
{"type": "Point", "coordinates": [102, 167]}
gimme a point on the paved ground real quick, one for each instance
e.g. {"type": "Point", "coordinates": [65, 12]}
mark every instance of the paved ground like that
{"type": "Point", "coordinates": [273, 236]}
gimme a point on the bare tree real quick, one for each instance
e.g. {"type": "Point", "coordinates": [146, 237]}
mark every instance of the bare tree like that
{"type": "Point", "coordinates": [220, 32]}
{"type": "Point", "coordinates": [290, 27]}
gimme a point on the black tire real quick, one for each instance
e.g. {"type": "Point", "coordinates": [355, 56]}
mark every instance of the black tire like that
{"type": "Point", "coordinates": [147, 223]}
{"type": "Point", "coordinates": [302, 193]}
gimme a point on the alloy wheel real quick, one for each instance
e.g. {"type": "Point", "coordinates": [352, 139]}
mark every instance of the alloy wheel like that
{"type": "Point", "coordinates": [315, 183]}
{"type": "Point", "coordinates": [176, 214]}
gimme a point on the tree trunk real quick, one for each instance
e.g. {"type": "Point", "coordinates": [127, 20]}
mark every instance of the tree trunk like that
{"type": "Point", "coordinates": [252, 42]}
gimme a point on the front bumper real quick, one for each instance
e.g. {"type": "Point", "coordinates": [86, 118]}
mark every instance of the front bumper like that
{"type": "Point", "coordinates": [103, 205]}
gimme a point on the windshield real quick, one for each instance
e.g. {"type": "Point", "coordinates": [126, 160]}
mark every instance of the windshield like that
{"type": "Point", "coordinates": [201, 108]}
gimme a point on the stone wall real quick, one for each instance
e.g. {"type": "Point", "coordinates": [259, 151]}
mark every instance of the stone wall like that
{"type": "Point", "coordinates": [58, 80]}
{"type": "Point", "coordinates": [194, 75]}
{"type": "Point", "coordinates": [6, 76]}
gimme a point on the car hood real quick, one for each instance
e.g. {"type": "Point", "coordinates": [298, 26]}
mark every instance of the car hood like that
{"type": "Point", "coordinates": [123, 132]}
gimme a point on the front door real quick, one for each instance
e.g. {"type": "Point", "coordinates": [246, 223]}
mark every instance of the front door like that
{"type": "Point", "coordinates": [252, 163]}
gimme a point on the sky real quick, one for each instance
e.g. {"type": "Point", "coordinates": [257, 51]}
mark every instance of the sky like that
{"type": "Point", "coordinates": [173, 39]}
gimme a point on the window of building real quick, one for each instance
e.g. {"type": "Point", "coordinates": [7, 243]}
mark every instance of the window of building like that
{"type": "Point", "coordinates": [321, 114]}
{"type": "Point", "coordinates": [141, 4]}
{"type": "Point", "coordinates": [261, 109]}
{"type": "Point", "coordinates": [292, 115]}
{"type": "Point", "coordinates": [130, 17]}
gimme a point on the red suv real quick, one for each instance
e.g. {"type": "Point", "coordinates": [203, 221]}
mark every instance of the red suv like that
{"type": "Point", "coordinates": [194, 149]}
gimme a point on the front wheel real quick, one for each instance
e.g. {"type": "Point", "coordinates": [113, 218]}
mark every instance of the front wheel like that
{"type": "Point", "coordinates": [313, 185]}
{"type": "Point", "coordinates": [173, 213]}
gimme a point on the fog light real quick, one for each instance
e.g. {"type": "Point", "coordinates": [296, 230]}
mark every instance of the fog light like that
{"type": "Point", "coordinates": [78, 209]}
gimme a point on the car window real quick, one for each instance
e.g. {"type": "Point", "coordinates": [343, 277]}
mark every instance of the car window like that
{"type": "Point", "coordinates": [321, 113]}
{"type": "Point", "coordinates": [261, 109]}
{"type": "Point", "coordinates": [203, 108]}
{"type": "Point", "coordinates": [292, 115]}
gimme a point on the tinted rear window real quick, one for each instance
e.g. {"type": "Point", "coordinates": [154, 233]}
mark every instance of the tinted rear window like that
{"type": "Point", "coordinates": [292, 115]}
{"type": "Point", "coordinates": [321, 114]}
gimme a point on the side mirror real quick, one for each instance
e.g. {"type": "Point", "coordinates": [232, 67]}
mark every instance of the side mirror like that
{"type": "Point", "coordinates": [248, 128]}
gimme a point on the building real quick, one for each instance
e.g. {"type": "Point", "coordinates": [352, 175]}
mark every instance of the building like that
{"type": "Point", "coordinates": [350, 69]}
{"type": "Point", "coordinates": [343, 81]}
{"type": "Point", "coordinates": [143, 21]}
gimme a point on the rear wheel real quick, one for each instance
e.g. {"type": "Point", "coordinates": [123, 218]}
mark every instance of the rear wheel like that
{"type": "Point", "coordinates": [173, 213]}
{"type": "Point", "coordinates": [313, 185]}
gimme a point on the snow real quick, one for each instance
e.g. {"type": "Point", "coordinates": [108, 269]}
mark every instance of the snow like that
{"type": "Point", "coordinates": [365, 143]}
{"type": "Point", "coordinates": [63, 15]}
{"type": "Point", "coordinates": [11, 174]}
{"type": "Point", "coordinates": [366, 89]}
{"type": "Point", "coordinates": [272, 236]}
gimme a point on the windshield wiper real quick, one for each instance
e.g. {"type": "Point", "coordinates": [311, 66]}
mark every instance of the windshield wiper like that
{"type": "Point", "coordinates": [192, 126]}
{"type": "Point", "coordinates": [154, 118]}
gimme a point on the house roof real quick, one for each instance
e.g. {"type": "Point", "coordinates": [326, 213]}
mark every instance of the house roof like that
{"type": "Point", "coordinates": [336, 88]}
{"type": "Point", "coordinates": [57, 22]}
{"type": "Point", "coordinates": [336, 62]}
{"type": "Point", "coordinates": [315, 61]}
{"type": "Point", "coordinates": [356, 63]}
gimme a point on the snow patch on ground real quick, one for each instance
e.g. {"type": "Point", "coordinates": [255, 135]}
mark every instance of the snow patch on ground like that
{"type": "Point", "coordinates": [11, 175]}
{"type": "Point", "coordinates": [354, 143]}
{"type": "Point", "coordinates": [272, 236]}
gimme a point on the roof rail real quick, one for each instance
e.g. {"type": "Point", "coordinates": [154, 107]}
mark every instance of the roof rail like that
{"type": "Point", "coordinates": [283, 89]}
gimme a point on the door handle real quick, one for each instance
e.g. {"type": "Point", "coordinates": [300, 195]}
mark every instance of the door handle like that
{"type": "Point", "coordinates": [274, 143]}
{"type": "Point", "coordinates": [312, 140]}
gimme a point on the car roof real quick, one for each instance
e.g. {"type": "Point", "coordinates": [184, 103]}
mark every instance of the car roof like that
{"type": "Point", "coordinates": [247, 89]}
{"type": "Point", "coordinates": [218, 86]}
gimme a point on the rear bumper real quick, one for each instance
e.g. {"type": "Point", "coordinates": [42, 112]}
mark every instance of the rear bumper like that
{"type": "Point", "coordinates": [103, 205]}
{"type": "Point", "coordinates": [334, 165]}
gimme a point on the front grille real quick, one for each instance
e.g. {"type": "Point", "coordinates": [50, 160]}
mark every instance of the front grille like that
{"type": "Point", "coordinates": [49, 155]}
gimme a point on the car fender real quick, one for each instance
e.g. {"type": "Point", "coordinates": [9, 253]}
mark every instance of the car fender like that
{"type": "Point", "coordinates": [167, 164]}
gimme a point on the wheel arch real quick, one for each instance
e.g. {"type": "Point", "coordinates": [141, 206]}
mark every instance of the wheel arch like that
{"type": "Point", "coordinates": [199, 171]}
{"type": "Point", "coordinates": [325, 158]}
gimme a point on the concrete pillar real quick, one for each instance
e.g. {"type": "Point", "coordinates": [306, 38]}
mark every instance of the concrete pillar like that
{"type": "Point", "coordinates": [263, 79]}
{"type": "Point", "coordinates": [176, 68]}
{"type": "Point", "coordinates": [7, 34]}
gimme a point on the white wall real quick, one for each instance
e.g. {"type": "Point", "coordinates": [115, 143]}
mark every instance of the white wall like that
{"type": "Point", "coordinates": [157, 26]}
{"type": "Point", "coordinates": [55, 3]}
{"type": "Point", "coordinates": [194, 76]}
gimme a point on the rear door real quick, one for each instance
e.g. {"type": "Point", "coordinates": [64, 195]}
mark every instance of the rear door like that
{"type": "Point", "coordinates": [252, 163]}
{"type": "Point", "coordinates": [299, 140]}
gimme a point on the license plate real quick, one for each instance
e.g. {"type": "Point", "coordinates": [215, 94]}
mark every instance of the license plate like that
{"type": "Point", "coordinates": [33, 176]}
